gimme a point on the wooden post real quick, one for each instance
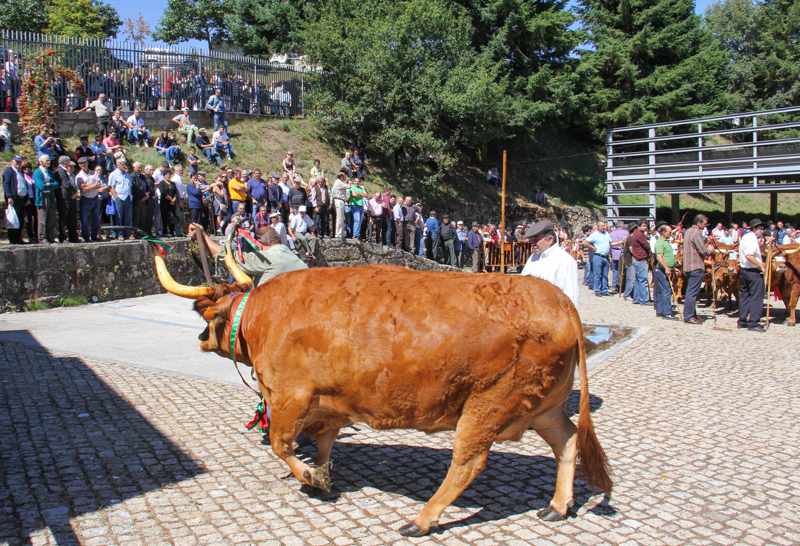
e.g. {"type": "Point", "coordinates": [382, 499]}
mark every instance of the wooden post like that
{"type": "Point", "coordinates": [503, 219]}
{"type": "Point", "coordinates": [728, 208]}
{"type": "Point", "coordinates": [773, 206]}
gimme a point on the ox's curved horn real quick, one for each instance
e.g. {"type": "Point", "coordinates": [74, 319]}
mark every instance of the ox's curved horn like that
{"type": "Point", "coordinates": [792, 251]}
{"type": "Point", "coordinates": [233, 267]}
{"type": "Point", "coordinates": [172, 286]}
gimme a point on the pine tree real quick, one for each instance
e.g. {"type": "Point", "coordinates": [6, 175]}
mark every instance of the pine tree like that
{"type": "Point", "coordinates": [648, 61]}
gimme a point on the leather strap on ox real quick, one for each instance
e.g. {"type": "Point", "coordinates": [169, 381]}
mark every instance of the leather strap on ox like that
{"type": "Point", "coordinates": [260, 419]}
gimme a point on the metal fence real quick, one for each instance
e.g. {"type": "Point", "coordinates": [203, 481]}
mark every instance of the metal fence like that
{"type": "Point", "coordinates": [153, 77]}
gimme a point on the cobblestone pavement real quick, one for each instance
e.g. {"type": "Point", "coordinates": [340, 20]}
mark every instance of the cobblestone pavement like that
{"type": "Point", "coordinates": [700, 424]}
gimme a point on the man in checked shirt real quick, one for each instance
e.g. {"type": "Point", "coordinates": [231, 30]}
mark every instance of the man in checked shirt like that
{"type": "Point", "coordinates": [695, 251]}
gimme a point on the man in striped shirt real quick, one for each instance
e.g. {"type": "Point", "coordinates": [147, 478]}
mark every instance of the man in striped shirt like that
{"type": "Point", "coordinates": [695, 251]}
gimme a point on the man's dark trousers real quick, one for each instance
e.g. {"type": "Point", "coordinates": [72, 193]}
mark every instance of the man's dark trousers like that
{"type": "Point", "coordinates": [663, 294]}
{"type": "Point", "coordinates": [15, 235]}
{"type": "Point", "coordinates": [694, 280]}
{"type": "Point", "coordinates": [751, 297]}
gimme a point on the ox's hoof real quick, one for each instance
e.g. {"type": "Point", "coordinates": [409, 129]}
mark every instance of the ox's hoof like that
{"type": "Point", "coordinates": [412, 530]}
{"type": "Point", "coordinates": [321, 494]}
{"type": "Point", "coordinates": [548, 514]}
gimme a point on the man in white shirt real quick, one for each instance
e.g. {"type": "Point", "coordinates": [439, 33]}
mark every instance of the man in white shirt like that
{"type": "Point", "coordinates": [277, 225]}
{"type": "Point", "coordinates": [751, 273]}
{"type": "Point", "coordinates": [339, 190]}
{"type": "Point", "coordinates": [137, 130]}
{"type": "Point", "coordinates": [553, 264]}
{"type": "Point", "coordinates": [178, 179]}
{"type": "Point", "coordinates": [300, 229]}
{"type": "Point", "coordinates": [222, 141]}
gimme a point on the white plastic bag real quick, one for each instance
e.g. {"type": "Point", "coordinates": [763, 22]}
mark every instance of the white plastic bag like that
{"type": "Point", "coordinates": [12, 220]}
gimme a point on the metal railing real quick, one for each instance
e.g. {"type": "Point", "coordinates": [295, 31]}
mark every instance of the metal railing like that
{"type": "Point", "coordinates": [744, 152]}
{"type": "Point", "coordinates": [153, 77]}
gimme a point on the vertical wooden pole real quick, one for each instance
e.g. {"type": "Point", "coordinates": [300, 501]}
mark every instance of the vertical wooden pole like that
{"type": "Point", "coordinates": [503, 220]}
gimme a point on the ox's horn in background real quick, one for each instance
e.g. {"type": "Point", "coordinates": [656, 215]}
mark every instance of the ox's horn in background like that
{"type": "Point", "coordinates": [791, 251]}
{"type": "Point", "coordinates": [233, 267]}
{"type": "Point", "coordinates": [172, 286]}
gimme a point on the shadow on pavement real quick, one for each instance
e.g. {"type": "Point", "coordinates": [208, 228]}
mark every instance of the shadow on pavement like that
{"type": "Point", "coordinates": [70, 444]}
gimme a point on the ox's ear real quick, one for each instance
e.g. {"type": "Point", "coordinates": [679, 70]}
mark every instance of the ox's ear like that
{"type": "Point", "coordinates": [221, 305]}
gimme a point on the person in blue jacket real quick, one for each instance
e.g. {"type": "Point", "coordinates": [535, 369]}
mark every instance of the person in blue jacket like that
{"type": "Point", "coordinates": [46, 185]}
{"type": "Point", "coordinates": [195, 195]}
{"type": "Point", "coordinates": [432, 227]}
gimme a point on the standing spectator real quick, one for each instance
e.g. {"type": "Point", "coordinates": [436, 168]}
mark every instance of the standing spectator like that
{"type": "Point", "coordinates": [551, 262]}
{"type": "Point", "coordinates": [46, 188]}
{"type": "Point", "coordinates": [321, 200]}
{"type": "Point", "coordinates": [195, 196]}
{"type": "Point", "coordinates": [301, 229]}
{"type": "Point", "coordinates": [12, 73]}
{"type": "Point", "coordinates": [139, 196]}
{"type": "Point", "coordinates": [388, 222]}
{"type": "Point", "coordinates": [89, 186]}
{"type": "Point", "coordinates": [207, 148]}
{"type": "Point", "coordinates": [751, 273]}
{"type": "Point", "coordinates": [217, 105]}
{"type": "Point", "coordinates": [15, 188]}
{"type": "Point", "coordinates": [185, 125]}
{"type": "Point", "coordinates": [4, 89]}
{"type": "Point", "coordinates": [151, 203]}
{"type": "Point", "coordinates": [297, 196]}
{"type": "Point", "coordinates": [31, 223]}
{"type": "Point", "coordinates": [237, 190]}
{"type": "Point", "coordinates": [460, 243]}
{"type": "Point", "coordinates": [340, 195]}
{"type": "Point", "coordinates": [398, 220]}
{"type": "Point", "coordinates": [170, 199]}
{"type": "Point", "coordinates": [120, 182]}
{"type": "Point", "coordinates": [102, 110]}
{"type": "Point", "coordinates": [628, 277]}
{"type": "Point", "coordinates": [66, 202]}
{"type": "Point", "coordinates": [288, 165]}
{"type": "Point", "coordinates": [449, 236]}
{"type": "Point", "coordinates": [588, 275]}
{"type": "Point", "coordinates": [358, 162]}
{"type": "Point", "coordinates": [222, 141]}
{"type": "Point", "coordinates": [665, 261]}
{"type": "Point", "coordinates": [356, 195]}
{"type": "Point", "coordinates": [177, 177]}
{"type": "Point", "coordinates": [376, 205]}
{"type": "Point", "coordinates": [618, 235]}
{"type": "Point", "coordinates": [257, 188]}
{"type": "Point", "coordinates": [694, 253]}
{"type": "Point", "coordinates": [409, 225]}
{"type": "Point", "coordinates": [285, 186]}
{"type": "Point", "coordinates": [5, 136]}
{"type": "Point", "coordinates": [600, 243]}
{"type": "Point", "coordinates": [274, 194]}
{"type": "Point", "coordinates": [474, 242]}
{"type": "Point", "coordinates": [640, 254]}
{"type": "Point", "coordinates": [43, 142]}
{"type": "Point", "coordinates": [137, 130]}
{"type": "Point", "coordinates": [433, 232]}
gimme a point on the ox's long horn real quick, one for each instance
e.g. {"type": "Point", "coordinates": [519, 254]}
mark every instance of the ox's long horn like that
{"type": "Point", "coordinates": [792, 251]}
{"type": "Point", "coordinates": [233, 267]}
{"type": "Point", "coordinates": [172, 286]}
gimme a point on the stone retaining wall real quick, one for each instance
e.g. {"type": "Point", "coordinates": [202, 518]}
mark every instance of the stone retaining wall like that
{"type": "Point", "coordinates": [117, 270]}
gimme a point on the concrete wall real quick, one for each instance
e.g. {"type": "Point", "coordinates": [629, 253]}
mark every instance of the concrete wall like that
{"type": "Point", "coordinates": [117, 270]}
{"type": "Point", "coordinates": [86, 122]}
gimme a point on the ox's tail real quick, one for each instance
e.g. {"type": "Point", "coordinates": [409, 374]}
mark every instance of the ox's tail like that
{"type": "Point", "coordinates": [594, 464]}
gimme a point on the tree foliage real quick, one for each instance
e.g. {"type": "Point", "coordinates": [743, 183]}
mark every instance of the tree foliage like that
{"type": "Point", "coordinates": [34, 16]}
{"type": "Point", "coordinates": [74, 18]}
{"type": "Point", "coordinates": [760, 40]}
{"type": "Point", "coordinates": [137, 30]}
{"type": "Point", "coordinates": [262, 28]}
{"type": "Point", "coordinates": [648, 61]}
{"type": "Point", "coordinates": [410, 69]}
{"type": "Point", "coordinates": [185, 20]}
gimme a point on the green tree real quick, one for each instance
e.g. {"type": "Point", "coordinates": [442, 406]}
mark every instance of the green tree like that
{"type": "Point", "coordinates": [648, 61]}
{"type": "Point", "coordinates": [262, 28]}
{"type": "Point", "coordinates": [408, 69]}
{"type": "Point", "coordinates": [74, 18]}
{"type": "Point", "coordinates": [760, 39]}
{"type": "Point", "coordinates": [185, 20]}
{"type": "Point", "coordinates": [109, 18]}
{"type": "Point", "coordinates": [137, 30]}
{"type": "Point", "coordinates": [23, 15]}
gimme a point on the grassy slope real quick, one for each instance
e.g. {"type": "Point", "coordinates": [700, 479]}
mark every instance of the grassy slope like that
{"type": "Point", "coordinates": [569, 169]}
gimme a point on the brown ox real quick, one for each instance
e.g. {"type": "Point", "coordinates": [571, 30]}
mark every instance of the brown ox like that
{"type": "Point", "coordinates": [412, 365]}
{"type": "Point", "coordinates": [786, 278]}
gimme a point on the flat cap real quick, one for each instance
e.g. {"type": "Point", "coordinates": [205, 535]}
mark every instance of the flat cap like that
{"type": "Point", "coordinates": [432, 213]}
{"type": "Point", "coordinates": [538, 228]}
{"type": "Point", "coordinates": [755, 222]}
{"type": "Point", "coordinates": [275, 215]}
{"type": "Point", "coordinates": [276, 176]}
{"type": "Point", "coordinates": [83, 160]}
{"type": "Point", "coordinates": [475, 224]}
{"type": "Point", "coordinates": [445, 215]}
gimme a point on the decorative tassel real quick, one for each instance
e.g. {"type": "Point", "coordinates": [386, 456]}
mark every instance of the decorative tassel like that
{"type": "Point", "coordinates": [260, 419]}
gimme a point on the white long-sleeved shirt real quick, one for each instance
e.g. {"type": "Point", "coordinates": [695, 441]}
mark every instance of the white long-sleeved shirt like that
{"type": "Point", "coordinates": [557, 267]}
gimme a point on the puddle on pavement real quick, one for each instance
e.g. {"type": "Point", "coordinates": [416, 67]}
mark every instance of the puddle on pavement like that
{"type": "Point", "coordinates": [602, 338]}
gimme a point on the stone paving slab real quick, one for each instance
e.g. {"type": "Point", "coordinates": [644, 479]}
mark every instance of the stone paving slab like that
{"type": "Point", "coordinates": [700, 424]}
